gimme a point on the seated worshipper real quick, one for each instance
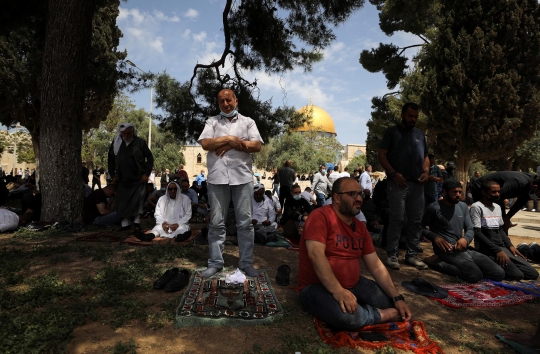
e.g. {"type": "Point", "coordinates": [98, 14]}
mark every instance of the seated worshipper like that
{"type": "Point", "coordinates": [97, 210]}
{"type": "Point", "coordinates": [192, 195]}
{"type": "Point", "coordinates": [329, 268]}
{"type": "Point", "coordinates": [263, 215]}
{"type": "Point", "coordinates": [370, 213]}
{"type": "Point", "coordinates": [30, 204]}
{"type": "Point", "coordinates": [296, 213]}
{"type": "Point", "coordinates": [490, 237]}
{"type": "Point", "coordinates": [173, 212]}
{"type": "Point", "coordinates": [308, 195]}
{"type": "Point", "coordinates": [451, 232]}
{"type": "Point", "coordinates": [275, 203]}
{"type": "Point", "coordinates": [513, 185]}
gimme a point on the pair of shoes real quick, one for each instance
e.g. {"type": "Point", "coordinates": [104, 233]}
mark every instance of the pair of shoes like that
{"type": "Point", "coordinates": [144, 237]}
{"type": "Point", "coordinates": [282, 277]}
{"type": "Point", "coordinates": [392, 262]}
{"type": "Point", "coordinates": [524, 209]}
{"type": "Point", "coordinates": [183, 237]}
{"type": "Point", "coordinates": [522, 244]}
{"type": "Point", "coordinates": [172, 280]}
{"type": "Point", "coordinates": [533, 210]}
{"type": "Point", "coordinates": [415, 261]}
{"type": "Point", "coordinates": [532, 244]}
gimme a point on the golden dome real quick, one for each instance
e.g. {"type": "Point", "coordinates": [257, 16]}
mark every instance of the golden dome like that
{"type": "Point", "coordinates": [320, 120]}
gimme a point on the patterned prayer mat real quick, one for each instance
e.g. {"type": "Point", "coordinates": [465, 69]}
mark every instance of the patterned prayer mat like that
{"type": "Point", "coordinates": [410, 335]}
{"type": "Point", "coordinates": [527, 286]}
{"type": "Point", "coordinates": [212, 302]}
{"type": "Point", "coordinates": [482, 294]}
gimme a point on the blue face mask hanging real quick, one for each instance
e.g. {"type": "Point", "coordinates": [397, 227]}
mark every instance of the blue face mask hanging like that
{"type": "Point", "coordinates": [229, 115]}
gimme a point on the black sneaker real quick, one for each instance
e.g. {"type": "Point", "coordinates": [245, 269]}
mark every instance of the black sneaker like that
{"type": "Point", "coordinates": [165, 278]}
{"type": "Point", "coordinates": [178, 281]}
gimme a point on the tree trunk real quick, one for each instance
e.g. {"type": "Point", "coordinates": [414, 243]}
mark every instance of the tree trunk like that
{"type": "Point", "coordinates": [67, 42]}
{"type": "Point", "coordinates": [35, 145]}
{"type": "Point", "coordinates": [462, 173]}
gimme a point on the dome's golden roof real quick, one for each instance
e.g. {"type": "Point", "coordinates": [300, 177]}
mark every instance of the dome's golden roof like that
{"type": "Point", "coordinates": [320, 120]}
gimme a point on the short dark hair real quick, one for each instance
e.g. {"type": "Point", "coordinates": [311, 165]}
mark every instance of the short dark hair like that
{"type": "Point", "coordinates": [336, 168]}
{"type": "Point", "coordinates": [268, 193]}
{"type": "Point", "coordinates": [308, 189]}
{"type": "Point", "coordinates": [346, 169]}
{"type": "Point", "coordinates": [487, 183]}
{"type": "Point", "coordinates": [410, 105]}
{"type": "Point", "coordinates": [295, 186]}
{"type": "Point", "coordinates": [451, 184]}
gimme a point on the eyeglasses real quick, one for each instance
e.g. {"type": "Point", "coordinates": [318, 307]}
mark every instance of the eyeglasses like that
{"type": "Point", "coordinates": [353, 194]}
{"type": "Point", "coordinates": [172, 189]}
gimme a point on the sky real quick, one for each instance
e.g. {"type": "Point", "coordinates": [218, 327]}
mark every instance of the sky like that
{"type": "Point", "coordinates": [173, 36]}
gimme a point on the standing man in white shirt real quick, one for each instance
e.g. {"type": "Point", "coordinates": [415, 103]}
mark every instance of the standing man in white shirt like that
{"type": "Point", "coordinates": [230, 138]}
{"type": "Point", "coordinates": [332, 177]}
{"type": "Point", "coordinates": [365, 181]}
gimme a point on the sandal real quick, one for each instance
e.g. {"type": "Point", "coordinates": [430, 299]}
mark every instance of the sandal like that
{"type": "Point", "coordinates": [282, 277]}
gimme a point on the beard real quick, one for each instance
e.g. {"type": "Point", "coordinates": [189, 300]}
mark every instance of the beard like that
{"type": "Point", "coordinates": [348, 209]}
{"type": "Point", "coordinates": [407, 125]}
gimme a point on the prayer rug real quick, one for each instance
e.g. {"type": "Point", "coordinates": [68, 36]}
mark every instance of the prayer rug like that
{"type": "Point", "coordinates": [281, 242]}
{"type": "Point", "coordinates": [482, 294]}
{"type": "Point", "coordinates": [99, 237]}
{"type": "Point", "coordinates": [134, 241]}
{"type": "Point", "coordinates": [212, 302]}
{"type": "Point", "coordinates": [527, 286]}
{"type": "Point", "coordinates": [410, 335]}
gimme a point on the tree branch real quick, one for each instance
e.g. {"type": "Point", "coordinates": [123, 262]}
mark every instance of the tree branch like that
{"type": "Point", "coordinates": [391, 93]}
{"type": "Point", "coordinates": [410, 46]}
{"type": "Point", "coordinates": [425, 40]}
{"type": "Point", "coordinates": [226, 51]}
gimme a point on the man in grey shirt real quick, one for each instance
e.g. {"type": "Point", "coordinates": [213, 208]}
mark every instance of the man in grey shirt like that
{"type": "Point", "coordinates": [230, 138]}
{"type": "Point", "coordinates": [447, 220]}
{"type": "Point", "coordinates": [321, 185]}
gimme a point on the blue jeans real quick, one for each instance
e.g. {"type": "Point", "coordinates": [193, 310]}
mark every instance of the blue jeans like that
{"type": "Point", "coordinates": [219, 197]}
{"type": "Point", "coordinates": [469, 265]}
{"type": "Point", "coordinates": [319, 302]}
{"type": "Point", "coordinates": [409, 200]}
{"type": "Point", "coordinates": [320, 199]}
{"type": "Point", "coordinates": [275, 189]}
{"type": "Point", "coordinates": [106, 220]}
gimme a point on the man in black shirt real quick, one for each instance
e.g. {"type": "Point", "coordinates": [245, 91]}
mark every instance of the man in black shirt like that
{"type": "Point", "coordinates": [513, 185]}
{"type": "Point", "coordinates": [403, 154]}
{"type": "Point", "coordinates": [275, 183]}
{"type": "Point", "coordinates": [286, 179]}
{"type": "Point", "coordinates": [96, 209]}
{"type": "Point", "coordinates": [295, 213]}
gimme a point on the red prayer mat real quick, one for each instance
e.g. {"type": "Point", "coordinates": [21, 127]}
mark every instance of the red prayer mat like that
{"type": "Point", "coordinates": [482, 294]}
{"type": "Point", "coordinates": [410, 335]}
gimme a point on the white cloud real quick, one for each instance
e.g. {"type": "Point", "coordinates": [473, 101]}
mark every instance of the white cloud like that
{"type": "Point", "coordinates": [186, 33]}
{"type": "Point", "coordinates": [162, 17]}
{"type": "Point", "coordinates": [191, 13]}
{"type": "Point", "coordinates": [157, 44]}
{"type": "Point", "coordinates": [200, 37]}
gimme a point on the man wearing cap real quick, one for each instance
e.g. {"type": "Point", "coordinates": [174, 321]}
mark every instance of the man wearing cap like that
{"type": "Point", "coordinates": [230, 138]}
{"type": "Point", "coordinates": [263, 213]}
{"type": "Point", "coordinates": [403, 154]}
{"type": "Point", "coordinates": [431, 190]}
{"type": "Point", "coordinates": [451, 232]}
{"type": "Point", "coordinates": [130, 164]}
{"type": "Point", "coordinates": [329, 274]}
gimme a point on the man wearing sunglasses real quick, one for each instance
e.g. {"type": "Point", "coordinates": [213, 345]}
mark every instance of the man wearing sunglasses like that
{"type": "Point", "coordinates": [329, 268]}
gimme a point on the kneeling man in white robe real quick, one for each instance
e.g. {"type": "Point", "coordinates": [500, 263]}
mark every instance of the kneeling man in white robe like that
{"type": "Point", "coordinates": [263, 214]}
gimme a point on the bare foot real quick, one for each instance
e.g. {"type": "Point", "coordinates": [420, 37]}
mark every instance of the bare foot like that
{"type": "Point", "coordinates": [389, 315]}
{"type": "Point", "coordinates": [430, 260]}
{"type": "Point", "coordinates": [522, 338]}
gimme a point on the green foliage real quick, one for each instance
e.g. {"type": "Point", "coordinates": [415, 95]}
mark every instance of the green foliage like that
{"type": "Point", "coordinates": [359, 160]}
{"type": "Point", "coordinates": [527, 156]}
{"type": "Point", "coordinates": [96, 142]}
{"type": "Point", "coordinates": [381, 118]}
{"type": "Point", "coordinates": [306, 150]}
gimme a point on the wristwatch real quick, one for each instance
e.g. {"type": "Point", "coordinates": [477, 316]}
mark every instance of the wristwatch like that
{"type": "Point", "coordinates": [398, 298]}
{"type": "Point", "coordinates": [391, 175]}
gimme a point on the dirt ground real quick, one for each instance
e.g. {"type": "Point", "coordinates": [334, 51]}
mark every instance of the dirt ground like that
{"type": "Point", "coordinates": [468, 330]}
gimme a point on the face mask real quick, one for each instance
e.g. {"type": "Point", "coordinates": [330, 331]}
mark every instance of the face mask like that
{"type": "Point", "coordinates": [493, 198]}
{"type": "Point", "coordinates": [323, 172]}
{"type": "Point", "coordinates": [229, 115]}
{"type": "Point", "coordinates": [297, 197]}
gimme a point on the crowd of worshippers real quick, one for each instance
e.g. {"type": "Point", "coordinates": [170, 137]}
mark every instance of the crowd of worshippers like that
{"type": "Point", "coordinates": [332, 218]}
{"type": "Point", "coordinates": [21, 187]}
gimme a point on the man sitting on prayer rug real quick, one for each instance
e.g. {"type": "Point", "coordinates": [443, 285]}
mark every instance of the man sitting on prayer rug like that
{"type": "Point", "coordinates": [329, 269]}
{"type": "Point", "coordinates": [490, 237]}
{"type": "Point", "coordinates": [451, 232]}
{"type": "Point", "coordinates": [172, 214]}
{"type": "Point", "coordinates": [263, 215]}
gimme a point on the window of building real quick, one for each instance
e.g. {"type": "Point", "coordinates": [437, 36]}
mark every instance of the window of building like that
{"type": "Point", "coordinates": [199, 158]}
